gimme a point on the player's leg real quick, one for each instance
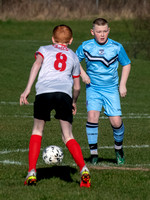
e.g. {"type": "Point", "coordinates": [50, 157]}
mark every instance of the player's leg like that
{"type": "Point", "coordinates": [41, 114]}
{"type": "Point", "coordinates": [63, 107]}
{"type": "Point", "coordinates": [118, 133]}
{"type": "Point", "coordinates": [94, 106]}
{"type": "Point", "coordinates": [76, 152]}
{"type": "Point", "coordinates": [64, 114]}
{"type": "Point", "coordinates": [92, 134]}
{"type": "Point", "coordinates": [35, 143]}
{"type": "Point", "coordinates": [34, 150]}
{"type": "Point", "coordinates": [113, 111]}
{"type": "Point", "coordinates": [71, 143]}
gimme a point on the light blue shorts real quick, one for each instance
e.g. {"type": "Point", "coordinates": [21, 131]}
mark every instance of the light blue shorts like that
{"type": "Point", "coordinates": [108, 98]}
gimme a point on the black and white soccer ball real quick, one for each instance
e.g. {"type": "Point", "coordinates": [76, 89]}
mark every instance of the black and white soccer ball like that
{"type": "Point", "coordinates": [53, 155]}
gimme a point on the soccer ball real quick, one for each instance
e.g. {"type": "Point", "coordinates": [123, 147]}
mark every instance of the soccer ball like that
{"type": "Point", "coordinates": [53, 155]}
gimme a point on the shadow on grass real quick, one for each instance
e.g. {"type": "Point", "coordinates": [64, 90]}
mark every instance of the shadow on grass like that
{"type": "Point", "coordinates": [107, 160]}
{"type": "Point", "coordinates": [62, 172]}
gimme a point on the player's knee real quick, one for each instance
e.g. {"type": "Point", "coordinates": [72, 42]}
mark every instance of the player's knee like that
{"type": "Point", "coordinates": [93, 117]}
{"type": "Point", "coordinates": [116, 122]}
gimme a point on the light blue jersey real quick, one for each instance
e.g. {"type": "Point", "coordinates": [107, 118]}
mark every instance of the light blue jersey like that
{"type": "Point", "coordinates": [102, 61]}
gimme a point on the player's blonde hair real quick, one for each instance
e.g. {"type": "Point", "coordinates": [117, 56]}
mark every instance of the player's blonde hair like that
{"type": "Point", "coordinates": [62, 34]}
{"type": "Point", "coordinates": [100, 22]}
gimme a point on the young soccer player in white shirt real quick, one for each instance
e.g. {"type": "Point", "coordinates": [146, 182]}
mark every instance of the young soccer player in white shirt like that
{"type": "Point", "coordinates": [59, 72]}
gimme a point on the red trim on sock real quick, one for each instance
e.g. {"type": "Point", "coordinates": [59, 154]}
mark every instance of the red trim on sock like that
{"type": "Point", "coordinates": [34, 150]}
{"type": "Point", "coordinates": [76, 152]}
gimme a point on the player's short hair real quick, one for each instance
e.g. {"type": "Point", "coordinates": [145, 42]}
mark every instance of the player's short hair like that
{"type": "Point", "coordinates": [100, 22]}
{"type": "Point", "coordinates": [62, 34]}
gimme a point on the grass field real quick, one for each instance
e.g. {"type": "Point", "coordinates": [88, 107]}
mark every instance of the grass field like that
{"type": "Point", "coordinates": [19, 41]}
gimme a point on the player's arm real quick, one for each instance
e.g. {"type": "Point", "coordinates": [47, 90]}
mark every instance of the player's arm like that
{"type": "Point", "coordinates": [81, 56]}
{"type": "Point", "coordinates": [33, 73]}
{"type": "Point", "coordinates": [76, 92]}
{"type": "Point", "coordinates": [124, 77]}
{"type": "Point", "coordinates": [84, 76]}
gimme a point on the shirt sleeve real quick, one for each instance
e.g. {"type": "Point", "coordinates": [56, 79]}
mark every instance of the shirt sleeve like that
{"type": "Point", "coordinates": [40, 52]}
{"type": "Point", "coordinates": [76, 69]}
{"type": "Point", "coordinates": [80, 53]}
{"type": "Point", "coordinates": [122, 57]}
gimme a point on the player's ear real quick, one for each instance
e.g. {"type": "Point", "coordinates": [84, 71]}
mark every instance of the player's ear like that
{"type": "Point", "coordinates": [92, 32]}
{"type": "Point", "coordinates": [108, 30]}
{"type": "Point", "coordinates": [71, 40]}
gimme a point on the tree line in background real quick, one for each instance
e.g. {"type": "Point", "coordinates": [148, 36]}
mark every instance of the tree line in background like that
{"type": "Point", "coordinates": [73, 9]}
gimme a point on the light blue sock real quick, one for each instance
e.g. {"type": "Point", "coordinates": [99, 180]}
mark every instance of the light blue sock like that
{"type": "Point", "coordinates": [119, 133]}
{"type": "Point", "coordinates": [92, 136]}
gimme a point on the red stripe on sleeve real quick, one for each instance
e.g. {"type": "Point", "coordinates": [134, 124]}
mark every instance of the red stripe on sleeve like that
{"type": "Point", "coordinates": [37, 52]}
{"type": "Point", "coordinates": [76, 76]}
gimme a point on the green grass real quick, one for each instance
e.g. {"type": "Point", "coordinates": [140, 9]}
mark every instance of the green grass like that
{"type": "Point", "coordinates": [19, 41]}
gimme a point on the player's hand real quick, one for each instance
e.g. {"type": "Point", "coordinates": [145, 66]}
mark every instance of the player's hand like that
{"type": "Point", "coordinates": [86, 79]}
{"type": "Point", "coordinates": [23, 97]}
{"type": "Point", "coordinates": [74, 109]}
{"type": "Point", "coordinates": [123, 90]}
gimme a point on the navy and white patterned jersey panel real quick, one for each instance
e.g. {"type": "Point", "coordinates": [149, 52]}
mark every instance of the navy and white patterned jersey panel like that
{"type": "Point", "coordinates": [102, 61]}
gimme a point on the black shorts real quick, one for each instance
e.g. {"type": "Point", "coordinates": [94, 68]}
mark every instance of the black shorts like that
{"type": "Point", "coordinates": [58, 101]}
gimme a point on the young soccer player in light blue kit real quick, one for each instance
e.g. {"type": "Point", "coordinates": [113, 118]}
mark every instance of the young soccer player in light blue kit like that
{"type": "Point", "coordinates": [102, 56]}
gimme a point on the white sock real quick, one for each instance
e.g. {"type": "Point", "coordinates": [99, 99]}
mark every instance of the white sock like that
{"type": "Point", "coordinates": [84, 169]}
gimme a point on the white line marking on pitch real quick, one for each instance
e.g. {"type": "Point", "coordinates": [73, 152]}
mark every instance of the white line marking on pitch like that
{"type": "Point", "coordinates": [78, 115]}
{"type": "Point", "coordinates": [103, 147]}
{"type": "Point", "coordinates": [31, 104]}
{"type": "Point", "coordinates": [125, 116]}
{"type": "Point", "coordinates": [12, 103]}
{"type": "Point", "coordinates": [137, 167]}
{"type": "Point", "coordinates": [11, 162]}
{"type": "Point", "coordinates": [13, 151]}
{"type": "Point", "coordinates": [119, 168]}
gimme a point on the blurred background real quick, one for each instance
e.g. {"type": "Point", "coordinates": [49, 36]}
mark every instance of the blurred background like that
{"type": "Point", "coordinates": [25, 25]}
{"type": "Point", "coordinates": [73, 9]}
